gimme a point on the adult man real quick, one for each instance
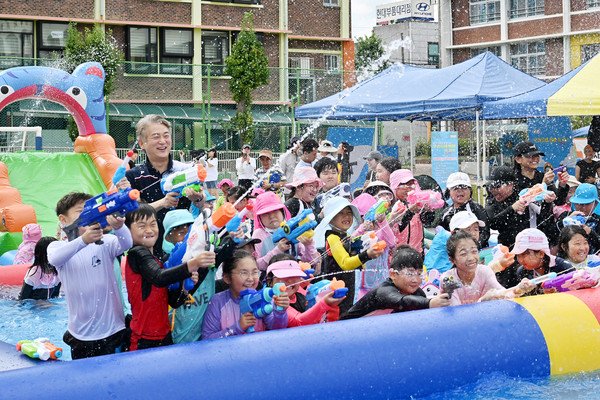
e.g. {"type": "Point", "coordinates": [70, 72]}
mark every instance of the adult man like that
{"type": "Point", "coordinates": [154, 136]}
{"type": "Point", "coordinates": [273, 179]}
{"type": "Point", "coordinates": [289, 160]}
{"type": "Point", "coordinates": [308, 156]}
{"type": "Point", "coordinates": [245, 166]}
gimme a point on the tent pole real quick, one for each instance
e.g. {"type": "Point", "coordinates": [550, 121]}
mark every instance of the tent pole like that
{"type": "Point", "coordinates": [484, 161]}
{"type": "Point", "coordinates": [478, 166]}
{"type": "Point", "coordinates": [376, 138]}
{"type": "Point", "coordinates": [412, 149]}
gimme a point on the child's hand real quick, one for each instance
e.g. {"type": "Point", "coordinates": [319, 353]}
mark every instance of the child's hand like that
{"type": "Point", "coordinates": [115, 222]}
{"type": "Point", "coordinates": [441, 300]}
{"type": "Point", "coordinates": [123, 184]}
{"type": "Point", "coordinates": [169, 201]}
{"type": "Point", "coordinates": [92, 234]}
{"type": "Point", "coordinates": [413, 208]}
{"type": "Point", "coordinates": [284, 245]}
{"type": "Point", "coordinates": [305, 241]}
{"type": "Point", "coordinates": [549, 197]}
{"type": "Point", "coordinates": [239, 234]}
{"type": "Point", "coordinates": [195, 277]}
{"type": "Point", "coordinates": [372, 253]}
{"type": "Point", "coordinates": [332, 301]}
{"type": "Point", "coordinates": [283, 300]}
{"type": "Point", "coordinates": [247, 320]}
{"type": "Point", "coordinates": [523, 287]}
{"type": "Point", "coordinates": [193, 195]}
{"type": "Point", "coordinates": [369, 225]}
{"type": "Point", "coordinates": [205, 259]}
{"type": "Point", "coordinates": [380, 218]}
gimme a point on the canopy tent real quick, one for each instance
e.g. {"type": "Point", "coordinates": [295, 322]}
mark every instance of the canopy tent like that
{"type": "Point", "coordinates": [425, 94]}
{"type": "Point", "coordinates": [574, 93]}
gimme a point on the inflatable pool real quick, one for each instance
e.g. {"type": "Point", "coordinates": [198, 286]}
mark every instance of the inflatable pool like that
{"type": "Point", "coordinates": [392, 356]}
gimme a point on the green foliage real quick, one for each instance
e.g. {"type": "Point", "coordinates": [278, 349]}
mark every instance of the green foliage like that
{"type": "Point", "coordinates": [369, 51]}
{"type": "Point", "coordinates": [580, 122]}
{"type": "Point", "coordinates": [92, 45]}
{"type": "Point", "coordinates": [248, 67]}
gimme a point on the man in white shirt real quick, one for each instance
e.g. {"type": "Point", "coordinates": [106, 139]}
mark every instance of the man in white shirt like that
{"type": "Point", "coordinates": [245, 166]}
{"type": "Point", "coordinates": [289, 160]}
{"type": "Point", "coordinates": [308, 156]}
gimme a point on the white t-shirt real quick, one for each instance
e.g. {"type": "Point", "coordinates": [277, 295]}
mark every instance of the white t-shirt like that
{"type": "Point", "coordinates": [88, 279]}
{"type": "Point", "coordinates": [212, 172]}
{"type": "Point", "coordinates": [246, 169]}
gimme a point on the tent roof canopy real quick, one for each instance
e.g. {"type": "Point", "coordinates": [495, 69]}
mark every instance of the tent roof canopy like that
{"type": "Point", "coordinates": [426, 94]}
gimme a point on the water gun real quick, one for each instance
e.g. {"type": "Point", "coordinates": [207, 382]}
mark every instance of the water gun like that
{"type": "Point", "coordinates": [39, 348]}
{"type": "Point", "coordinates": [534, 193]}
{"type": "Point", "coordinates": [378, 208]}
{"type": "Point", "coordinates": [318, 290]}
{"type": "Point", "coordinates": [578, 279]}
{"type": "Point", "coordinates": [274, 177]}
{"type": "Point", "coordinates": [120, 172]}
{"type": "Point", "coordinates": [96, 209]}
{"type": "Point", "coordinates": [179, 181]}
{"type": "Point", "coordinates": [369, 240]}
{"type": "Point", "coordinates": [259, 303]}
{"type": "Point", "coordinates": [307, 269]}
{"type": "Point", "coordinates": [561, 168]}
{"type": "Point", "coordinates": [578, 220]}
{"type": "Point", "coordinates": [503, 257]}
{"type": "Point", "coordinates": [426, 197]}
{"type": "Point", "coordinates": [234, 223]}
{"type": "Point", "coordinates": [301, 225]}
{"type": "Point", "coordinates": [449, 285]}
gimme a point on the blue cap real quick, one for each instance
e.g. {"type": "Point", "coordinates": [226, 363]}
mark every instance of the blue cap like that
{"type": "Point", "coordinates": [175, 218]}
{"type": "Point", "coordinates": [209, 197]}
{"type": "Point", "coordinates": [585, 194]}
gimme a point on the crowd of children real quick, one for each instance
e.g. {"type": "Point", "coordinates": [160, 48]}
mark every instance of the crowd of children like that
{"type": "Point", "coordinates": [359, 258]}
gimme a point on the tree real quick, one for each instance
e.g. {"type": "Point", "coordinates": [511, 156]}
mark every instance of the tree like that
{"type": "Point", "coordinates": [247, 66]}
{"type": "Point", "coordinates": [370, 55]}
{"type": "Point", "coordinates": [92, 45]}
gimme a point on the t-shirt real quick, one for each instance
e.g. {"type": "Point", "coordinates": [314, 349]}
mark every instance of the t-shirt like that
{"type": "Point", "coordinates": [484, 281]}
{"type": "Point", "coordinates": [587, 169]}
{"type": "Point", "coordinates": [212, 172]}
{"type": "Point", "coordinates": [275, 175]}
{"type": "Point", "coordinates": [245, 168]}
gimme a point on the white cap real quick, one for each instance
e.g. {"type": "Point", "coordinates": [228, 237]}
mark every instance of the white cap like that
{"type": "Point", "coordinates": [463, 220]}
{"type": "Point", "coordinates": [458, 178]}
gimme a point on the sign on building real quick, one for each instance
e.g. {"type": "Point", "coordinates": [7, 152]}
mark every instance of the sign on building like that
{"type": "Point", "coordinates": [406, 9]}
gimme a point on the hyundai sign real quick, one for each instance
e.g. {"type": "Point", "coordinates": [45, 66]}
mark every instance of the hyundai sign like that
{"type": "Point", "coordinates": [404, 10]}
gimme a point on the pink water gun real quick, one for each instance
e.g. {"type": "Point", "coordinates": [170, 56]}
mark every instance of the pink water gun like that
{"type": "Point", "coordinates": [534, 193]}
{"type": "Point", "coordinates": [426, 197]}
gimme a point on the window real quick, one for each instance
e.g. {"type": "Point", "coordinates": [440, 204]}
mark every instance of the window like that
{"type": "Point", "coordinates": [588, 51]}
{"type": "Point", "coordinates": [332, 62]}
{"type": "Point", "coordinates": [16, 40]}
{"type": "Point", "coordinates": [177, 49]}
{"type": "Point", "coordinates": [301, 66]}
{"type": "Point", "coordinates": [496, 50]}
{"type": "Point", "coordinates": [526, 8]}
{"type": "Point", "coordinates": [433, 54]}
{"type": "Point", "coordinates": [215, 49]}
{"type": "Point", "coordinates": [141, 50]}
{"type": "Point", "coordinates": [331, 3]}
{"type": "Point", "coordinates": [52, 37]}
{"type": "Point", "coordinates": [482, 11]}
{"type": "Point", "coordinates": [593, 3]}
{"type": "Point", "coordinates": [529, 57]}
{"type": "Point", "coordinates": [238, 1]}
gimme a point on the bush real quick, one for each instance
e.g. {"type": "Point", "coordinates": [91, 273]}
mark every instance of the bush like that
{"type": "Point", "coordinates": [423, 149]}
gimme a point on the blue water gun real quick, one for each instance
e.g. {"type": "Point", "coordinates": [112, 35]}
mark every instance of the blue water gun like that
{"type": "Point", "coordinates": [301, 225]}
{"type": "Point", "coordinates": [120, 172]}
{"type": "Point", "coordinates": [378, 208]}
{"type": "Point", "coordinates": [233, 224]}
{"type": "Point", "coordinates": [578, 220]}
{"type": "Point", "coordinates": [274, 177]}
{"type": "Point", "coordinates": [318, 290]}
{"type": "Point", "coordinates": [259, 303]}
{"type": "Point", "coordinates": [96, 209]}
{"type": "Point", "coordinates": [177, 182]}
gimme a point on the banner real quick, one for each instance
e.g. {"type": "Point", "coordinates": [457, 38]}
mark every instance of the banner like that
{"type": "Point", "coordinates": [444, 156]}
{"type": "Point", "coordinates": [404, 10]}
{"type": "Point", "coordinates": [552, 135]}
{"type": "Point", "coordinates": [362, 140]}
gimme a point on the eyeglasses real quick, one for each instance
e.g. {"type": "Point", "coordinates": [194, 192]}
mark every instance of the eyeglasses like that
{"type": "Point", "coordinates": [407, 186]}
{"type": "Point", "coordinates": [410, 274]}
{"type": "Point", "coordinates": [460, 187]}
{"type": "Point", "coordinates": [247, 274]}
{"type": "Point", "coordinates": [385, 195]}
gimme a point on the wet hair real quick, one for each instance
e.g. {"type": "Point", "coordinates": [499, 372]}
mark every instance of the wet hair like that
{"type": "Point", "coordinates": [274, 259]}
{"type": "Point", "coordinates": [144, 211]}
{"type": "Point", "coordinates": [391, 164]}
{"type": "Point", "coordinates": [236, 192]}
{"type": "Point", "coordinates": [41, 256]}
{"type": "Point", "coordinates": [213, 150]}
{"type": "Point", "coordinates": [230, 263]}
{"type": "Point", "coordinates": [566, 234]}
{"type": "Point", "coordinates": [69, 201]}
{"type": "Point", "coordinates": [325, 164]}
{"type": "Point", "coordinates": [140, 127]}
{"type": "Point", "coordinates": [456, 237]}
{"type": "Point", "coordinates": [309, 144]}
{"type": "Point", "coordinates": [406, 257]}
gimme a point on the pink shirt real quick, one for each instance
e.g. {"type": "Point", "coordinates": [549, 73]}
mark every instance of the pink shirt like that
{"type": "Point", "coordinates": [484, 280]}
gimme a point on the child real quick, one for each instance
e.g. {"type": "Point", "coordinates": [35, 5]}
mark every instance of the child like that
{"type": "Point", "coordinates": [585, 202]}
{"type": "Point", "coordinates": [327, 171]}
{"type": "Point", "coordinates": [341, 219]}
{"type": "Point", "coordinates": [269, 213]}
{"type": "Point", "coordinates": [177, 225]}
{"type": "Point", "coordinates": [147, 281]}
{"type": "Point", "coordinates": [284, 268]}
{"type": "Point", "coordinates": [86, 269]}
{"type": "Point", "coordinates": [41, 281]}
{"type": "Point", "coordinates": [224, 185]}
{"type": "Point", "coordinates": [573, 246]}
{"type": "Point", "coordinates": [401, 291]}
{"type": "Point", "coordinates": [223, 317]}
{"type": "Point", "coordinates": [304, 188]}
{"type": "Point", "coordinates": [31, 234]}
{"type": "Point", "coordinates": [478, 281]}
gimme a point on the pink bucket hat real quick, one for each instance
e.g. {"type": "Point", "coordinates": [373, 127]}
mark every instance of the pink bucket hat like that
{"type": "Point", "coordinates": [401, 176]}
{"type": "Point", "coordinates": [532, 239]}
{"type": "Point", "coordinates": [265, 203]}
{"type": "Point", "coordinates": [364, 202]}
{"type": "Point", "coordinates": [225, 181]}
{"type": "Point", "coordinates": [286, 269]}
{"type": "Point", "coordinates": [304, 175]}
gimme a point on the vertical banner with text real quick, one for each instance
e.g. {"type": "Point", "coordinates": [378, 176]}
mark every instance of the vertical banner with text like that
{"type": "Point", "coordinates": [553, 136]}
{"type": "Point", "coordinates": [444, 156]}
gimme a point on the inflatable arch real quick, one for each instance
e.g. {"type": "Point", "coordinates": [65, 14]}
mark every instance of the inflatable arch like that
{"type": "Point", "coordinates": [81, 93]}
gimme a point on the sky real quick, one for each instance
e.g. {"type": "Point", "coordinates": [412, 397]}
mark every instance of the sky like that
{"type": "Point", "coordinates": [363, 16]}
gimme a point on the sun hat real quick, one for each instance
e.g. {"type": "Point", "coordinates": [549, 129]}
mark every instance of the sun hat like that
{"type": "Point", "coordinates": [364, 202]}
{"type": "Point", "coordinates": [527, 149]}
{"type": "Point", "coordinates": [305, 175]}
{"type": "Point", "coordinates": [457, 179]}
{"type": "Point", "coordinates": [265, 203]}
{"type": "Point", "coordinates": [585, 194]}
{"type": "Point", "coordinates": [572, 182]}
{"type": "Point", "coordinates": [327, 146]}
{"type": "Point", "coordinates": [266, 153]}
{"type": "Point", "coordinates": [175, 218]}
{"type": "Point", "coordinates": [331, 209]}
{"type": "Point", "coordinates": [225, 181]}
{"type": "Point", "coordinates": [532, 239]}
{"type": "Point", "coordinates": [286, 269]}
{"type": "Point", "coordinates": [401, 176]}
{"type": "Point", "coordinates": [501, 176]}
{"type": "Point", "coordinates": [463, 220]}
{"type": "Point", "coordinates": [209, 197]}
{"type": "Point", "coordinates": [373, 155]}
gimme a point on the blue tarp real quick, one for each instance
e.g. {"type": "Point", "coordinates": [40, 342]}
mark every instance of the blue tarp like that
{"type": "Point", "coordinates": [415, 93]}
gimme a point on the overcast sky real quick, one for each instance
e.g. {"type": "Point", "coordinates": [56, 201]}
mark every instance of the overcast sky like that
{"type": "Point", "coordinates": [363, 16]}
